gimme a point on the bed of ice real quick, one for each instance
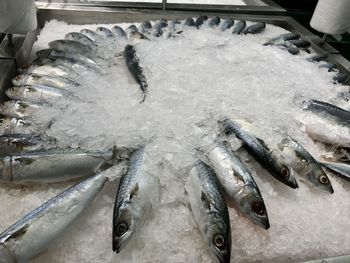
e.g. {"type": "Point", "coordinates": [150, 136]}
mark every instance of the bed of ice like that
{"type": "Point", "coordinates": [193, 80]}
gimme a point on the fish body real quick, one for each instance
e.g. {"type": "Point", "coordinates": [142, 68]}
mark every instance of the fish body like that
{"type": "Point", "coordinates": [317, 58]}
{"type": "Point", "coordinates": [104, 32]}
{"type": "Point", "coordinates": [34, 233]}
{"type": "Point", "coordinates": [132, 63]}
{"type": "Point", "coordinates": [214, 21]}
{"type": "Point", "coordinates": [271, 161]}
{"type": "Point", "coordinates": [118, 32]}
{"type": "Point", "coordinates": [90, 34]}
{"type": "Point", "coordinates": [282, 38]}
{"type": "Point", "coordinates": [255, 28]}
{"type": "Point", "coordinates": [239, 27]}
{"type": "Point", "coordinates": [72, 66]}
{"type": "Point", "coordinates": [46, 70]}
{"type": "Point", "coordinates": [53, 165]}
{"type": "Point", "coordinates": [36, 94]}
{"type": "Point", "coordinates": [73, 46]}
{"type": "Point", "coordinates": [14, 143]}
{"type": "Point", "coordinates": [237, 182]}
{"type": "Point", "coordinates": [200, 20]}
{"type": "Point", "coordinates": [340, 169]}
{"type": "Point", "coordinates": [133, 201]}
{"type": "Point", "coordinates": [189, 21]}
{"type": "Point", "coordinates": [324, 108]}
{"type": "Point", "coordinates": [210, 210]}
{"type": "Point", "coordinates": [311, 169]}
{"type": "Point", "coordinates": [51, 81]}
{"type": "Point", "coordinates": [300, 43]}
{"type": "Point", "coordinates": [145, 27]}
{"type": "Point", "coordinates": [159, 28]}
{"type": "Point", "coordinates": [342, 78]}
{"type": "Point", "coordinates": [13, 125]}
{"type": "Point", "coordinates": [226, 24]}
{"type": "Point", "coordinates": [293, 50]}
{"type": "Point", "coordinates": [80, 37]}
{"type": "Point", "coordinates": [18, 109]}
{"type": "Point", "coordinates": [330, 66]}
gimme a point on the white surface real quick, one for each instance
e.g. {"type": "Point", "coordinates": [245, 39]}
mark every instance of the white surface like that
{"type": "Point", "coordinates": [212, 2]}
{"type": "Point", "coordinates": [331, 17]}
{"type": "Point", "coordinates": [193, 80]}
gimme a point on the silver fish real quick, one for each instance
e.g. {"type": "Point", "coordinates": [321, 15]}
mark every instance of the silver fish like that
{"type": "Point", "coordinates": [145, 27]}
{"type": "Point", "coordinates": [272, 161]}
{"type": "Point", "coordinates": [73, 46]}
{"type": "Point", "coordinates": [237, 182]}
{"type": "Point", "coordinates": [310, 168]}
{"type": "Point", "coordinates": [200, 20]}
{"type": "Point", "coordinates": [37, 94]}
{"type": "Point", "coordinates": [338, 168]}
{"type": "Point", "coordinates": [51, 81]}
{"type": "Point", "coordinates": [53, 165]}
{"type": "Point", "coordinates": [214, 21]}
{"type": "Point", "coordinates": [18, 109]}
{"type": "Point", "coordinates": [159, 28]}
{"type": "Point", "coordinates": [91, 34]}
{"type": "Point", "coordinates": [226, 24]}
{"type": "Point", "coordinates": [13, 125]}
{"type": "Point", "coordinates": [73, 66]}
{"type": "Point", "coordinates": [118, 32]}
{"type": "Point", "coordinates": [35, 232]}
{"type": "Point", "coordinates": [46, 70]}
{"type": "Point", "coordinates": [14, 143]}
{"type": "Point", "coordinates": [255, 28]}
{"type": "Point", "coordinates": [210, 210]}
{"type": "Point", "coordinates": [133, 200]}
{"type": "Point", "coordinates": [282, 38]}
{"type": "Point", "coordinates": [189, 21]}
{"type": "Point", "coordinates": [75, 36]}
{"type": "Point", "coordinates": [103, 31]}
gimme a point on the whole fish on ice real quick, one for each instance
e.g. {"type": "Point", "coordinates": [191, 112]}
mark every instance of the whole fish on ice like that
{"type": "Point", "coordinates": [133, 201]}
{"type": "Point", "coordinates": [239, 27]}
{"type": "Point", "coordinates": [18, 109]}
{"type": "Point", "coordinates": [237, 182]}
{"type": "Point", "coordinates": [51, 81]}
{"type": "Point", "coordinates": [210, 210]}
{"type": "Point", "coordinates": [255, 28]}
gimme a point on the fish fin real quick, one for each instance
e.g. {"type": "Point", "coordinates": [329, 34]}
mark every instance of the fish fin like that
{"type": "Point", "coordinates": [25, 160]}
{"type": "Point", "coordinates": [205, 200]}
{"type": "Point", "coordinates": [263, 143]}
{"type": "Point", "coordinates": [134, 191]}
{"type": "Point", "coordinates": [18, 232]}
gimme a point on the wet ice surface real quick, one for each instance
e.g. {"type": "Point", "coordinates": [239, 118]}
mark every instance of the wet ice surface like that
{"type": "Point", "coordinates": [193, 80]}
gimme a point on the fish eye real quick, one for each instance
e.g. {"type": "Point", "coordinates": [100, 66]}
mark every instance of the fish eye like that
{"type": "Point", "coordinates": [323, 179]}
{"type": "Point", "coordinates": [2, 121]}
{"type": "Point", "coordinates": [18, 77]}
{"type": "Point", "coordinates": [285, 171]}
{"type": "Point", "coordinates": [219, 241]}
{"type": "Point", "coordinates": [258, 208]}
{"type": "Point", "coordinates": [12, 89]}
{"type": "Point", "coordinates": [122, 228]}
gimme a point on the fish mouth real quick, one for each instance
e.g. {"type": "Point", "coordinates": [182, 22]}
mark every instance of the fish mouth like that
{"type": "Point", "coordinates": [223, 257]}
{"type": "Point", "coordinates": [120, 242]}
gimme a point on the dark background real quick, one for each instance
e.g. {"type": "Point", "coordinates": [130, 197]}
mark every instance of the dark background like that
{"type": "Point", "coordinates": [302, 10]}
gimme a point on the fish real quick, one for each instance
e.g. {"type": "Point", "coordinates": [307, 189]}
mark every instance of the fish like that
{"type": "Point", "coordinates": [317, 58]}
{"type": "Point", "coordinates": [133, 200]}
{"type": "Point", "coordinates": [118, 32]}
{"type": "Point", "coordinates": [299, 43]}
{"type": "Point", "coordinates": [90, 34]}
{"type": "Point", "coordinates": [342, 78]}
{"type": "Point", "coordinates": [330, 66]}
{"type": "Point", "coordinates": [158, 28]}
{"type": "Point", "coordinates": [311, 170]}
{"type": "Point", "coordinates": [340, 169]}
{"type": "Point", "coordinates": [200, 20]}
{"type": "Point", "coordinates": [10, 125]}
{"type": "Point", "coordinates": [293, 50]}
{"type": "Point", "coordinates": [132, 63]}
{"type": "Point", "coordinates": [214, 21]}
{"type": "Point", "coordinates": [51, 81]}
{"type": "Point", "coordinates": [75, 57]}
{"type": "Point", "coordinates": [19, 109]}
{"type": "Point", "coordinates": [145, 27]}
{"type": "Point", "coordinates": [226, 24]}
{"type": "Point", "coordinates": [189, 21]}
{"type": "Point", "coordinates": [282, 38]}
{"type": "Point", "coordinates": [36, 94]}
{"type": "Point", "coordinates": [239, 27]}
{"type": "Point", "coordinates": [54, 165]}
{"type": "Point", "coordinates": [237, 181]}
{"type": "Point", "coordinates": [80, 37]}
{"type": "Point", "coordinates": [104, 32]}
{"type": "Point", "coordinates": [46, 70]}
{"type": "Point", "coordinates": [137, 36]}
{"type": "Point", "coordinates": [70, 64]}
{"type": "Point", "coordinates": [255, 28]}
{"type": "Point", "coordinates": [130, 30]}
{"type": "Point", "coordinates": [272, 161]}
{"type": "Point", "coordinates": [35, 232]}
{"type": "Point", "coordinates": [14, 143]}
{"type": "Point", "coordinates": [326, 109]}
{"type": "Point", "coordinates": [74, 46]}
{"type": "Point", "coordinates": [209, 209]}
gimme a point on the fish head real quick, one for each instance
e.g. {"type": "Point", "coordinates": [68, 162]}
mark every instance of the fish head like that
{"type": "Point", "coordinates": [5, 123]}
{"type": "Point", "coordinates": [20, 80]}
{"type": "Point", "coordinates": [102, 31]}
{"type": "Point", "coordinates": [14, 92]}
{"type": "Point", "coordinates": [253, 206]}
{"type": "Point", "coordinates": [218, 235]}
{"type": "Point", "coordinates": [124, 226]}
{"type": "Point", "coordinates": [320, 179]}
{"type": "Point", "coordinates": [284, 172]}
{"type": "Point", "coordinates": [6, 256]}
